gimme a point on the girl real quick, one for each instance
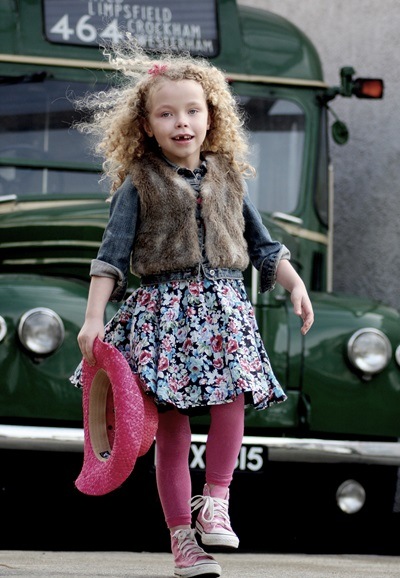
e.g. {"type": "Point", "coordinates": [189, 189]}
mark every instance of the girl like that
{"type": "Point", "coordinates": [180, 218]}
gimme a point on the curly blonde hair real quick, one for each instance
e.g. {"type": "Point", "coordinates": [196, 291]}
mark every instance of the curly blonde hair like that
{"type": "Point", "coordinates": [117, 116]}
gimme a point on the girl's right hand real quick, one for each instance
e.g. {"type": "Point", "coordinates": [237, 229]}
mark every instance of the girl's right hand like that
{"type": "Point", "coordinates": [90, 330]}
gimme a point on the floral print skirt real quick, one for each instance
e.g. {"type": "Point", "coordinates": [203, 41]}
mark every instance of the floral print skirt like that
{"type": "Point", "coordinates": [194, 344]}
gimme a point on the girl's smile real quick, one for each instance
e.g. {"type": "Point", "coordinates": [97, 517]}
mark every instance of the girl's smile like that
{"type": "Point", "coordinates": [178, 119]}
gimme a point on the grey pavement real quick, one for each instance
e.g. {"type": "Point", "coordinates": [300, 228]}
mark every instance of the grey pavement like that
{"type": "Point", "coordinates": [40, 564]}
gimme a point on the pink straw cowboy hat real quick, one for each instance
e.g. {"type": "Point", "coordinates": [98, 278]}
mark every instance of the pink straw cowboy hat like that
{"type": "Point", "coordinates": [120, 421]}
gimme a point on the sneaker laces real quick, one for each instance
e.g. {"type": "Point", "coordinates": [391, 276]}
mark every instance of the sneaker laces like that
{"type": "Point", "coordinates": [187, 543]}
{"type": "Point", "coordinates": [213, 508]}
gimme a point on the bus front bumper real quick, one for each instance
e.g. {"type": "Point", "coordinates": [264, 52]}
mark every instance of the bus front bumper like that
{"type": "Point", "coordinates": [287, 449]}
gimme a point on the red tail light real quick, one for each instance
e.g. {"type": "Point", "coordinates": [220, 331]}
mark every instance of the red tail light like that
{"type": "Point", "coordinates": [368, 88]}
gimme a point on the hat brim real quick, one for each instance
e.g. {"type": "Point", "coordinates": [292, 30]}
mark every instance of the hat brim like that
{"type": "Point", "coordinates": [120, 421]}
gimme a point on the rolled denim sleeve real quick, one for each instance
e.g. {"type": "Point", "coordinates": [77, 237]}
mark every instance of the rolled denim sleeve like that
{"type": "Point", "coordinates": [114, 255]}
{"type": "Point", "coordinates": [265, 254]}
{"type": "Point", "coordinates": [102, 269]}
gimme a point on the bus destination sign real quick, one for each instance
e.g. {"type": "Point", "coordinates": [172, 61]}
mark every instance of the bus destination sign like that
{"type": "Point", "coordinates": [175, 25]}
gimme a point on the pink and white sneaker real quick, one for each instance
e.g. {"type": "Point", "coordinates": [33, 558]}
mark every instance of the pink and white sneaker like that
{"type": "Point", "coordinates": [213, 523]}
{"type": "Point", "coordinates": [190, 558]}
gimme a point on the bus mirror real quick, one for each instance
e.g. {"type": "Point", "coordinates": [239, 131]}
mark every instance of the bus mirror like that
{"type": "Point", "coordinates": [368, 88]}
{"type": "Point", "coordinates": [340, 132]}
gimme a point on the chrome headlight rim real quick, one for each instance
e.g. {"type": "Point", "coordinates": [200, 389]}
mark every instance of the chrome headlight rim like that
{"type": "Point", "coordinates": [397, 355]}
{"type": "Point", "coordinates": [3, 328]}
{"type": "Point", "coordinates": [360, 362]}
{"type": "Point", "coordinates": [44, 336]}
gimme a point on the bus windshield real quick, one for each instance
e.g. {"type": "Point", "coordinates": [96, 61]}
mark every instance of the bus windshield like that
{"type": "Point", "coordinates": [277, 149]}
{"type": "Point", "coordinates": [40, 152]}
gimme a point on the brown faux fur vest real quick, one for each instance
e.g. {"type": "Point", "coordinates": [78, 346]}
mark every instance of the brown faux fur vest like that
{"type": "Point", "coordinates": [166, 239]}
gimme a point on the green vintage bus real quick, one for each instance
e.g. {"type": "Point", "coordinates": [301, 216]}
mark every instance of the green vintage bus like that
{"type": "Point", "coordinates": [330, 453]}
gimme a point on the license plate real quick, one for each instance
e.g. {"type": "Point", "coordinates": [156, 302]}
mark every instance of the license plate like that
{"type": "Point", "coordinates": [251, 458]}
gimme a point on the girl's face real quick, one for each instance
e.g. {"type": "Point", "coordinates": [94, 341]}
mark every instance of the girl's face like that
{"type": "Point", "coordinates": [178, 119]}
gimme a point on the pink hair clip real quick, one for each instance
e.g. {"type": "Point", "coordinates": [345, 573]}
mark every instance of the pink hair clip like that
{"type": "Point", "coordinates": [157, 69]}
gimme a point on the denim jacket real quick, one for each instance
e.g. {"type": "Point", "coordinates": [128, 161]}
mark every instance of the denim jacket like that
{"type": "Point", "coordinates": [114, 256]}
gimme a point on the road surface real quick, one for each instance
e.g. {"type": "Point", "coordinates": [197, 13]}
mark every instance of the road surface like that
{"type": "Point", "coordinates": [42, 564]}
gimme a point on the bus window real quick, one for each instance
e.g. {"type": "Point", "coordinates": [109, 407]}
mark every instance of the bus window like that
{"type": "Point", "coordinates": [39, 151]}
{"type": "Point", "coordinates": [277, 149]}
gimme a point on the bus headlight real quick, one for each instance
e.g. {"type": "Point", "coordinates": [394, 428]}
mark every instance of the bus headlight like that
{"type": "Point", "coordinates": [369, 350]}
{"type": "Point", "coordinates": [41, 331]}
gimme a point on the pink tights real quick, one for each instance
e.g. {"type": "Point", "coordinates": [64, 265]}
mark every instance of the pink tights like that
{"type": "Point", "coordinates": [173, 441]}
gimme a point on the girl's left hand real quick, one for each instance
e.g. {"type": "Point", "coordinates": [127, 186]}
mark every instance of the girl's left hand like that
{"type": "Point", "coordinates": [302, 306]}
